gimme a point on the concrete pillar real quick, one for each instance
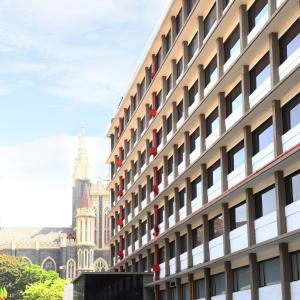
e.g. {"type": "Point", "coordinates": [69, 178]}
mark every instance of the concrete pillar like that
{"type": "Point", "coordinates": [204, 183]}
{"type": "Point", "coordinates": [250, 216]}
{"type": "Point", "coordinates": [200, 31]}
{"type": "Point", "coordinates": [174, 73]}
{"type": "Point", "coordinates": [202, 133]}
{"type": "Point", "coordinates": [188, 196]}
{"type": "Point", "coordinates": [166, 212]}
{"type": "Point", "coordinates": [228, 280]}
{"type": "Point", "coordinates": [187, 148]}
{"type": "Point", "coordinates": [245, 88]}
{"type": "Point", "coordinates": [165, 171]}
{"type": "Point", "coordinates": [285, 271]}
{"type": "Point", "coordinates": [164, 89]}
{"type": "Point", "coordinates": [280, 202]}
{"type": "Point", "coordinates": [189, 245]}
{"type": "Point", "coordinates": [205, 237]}
{"type": "Point", "coordinates": [226, 226]}
{"type": "Point", "coordinates": [220, 56]}
{"type": "Point", "coordinates": [224, 168]}
{"type": "Point", "coordinates": [185, 102]}
{"type": "Point", "coordinates": [176, 202]}
{"type": "Point", "coordinates": [219, 9]}
{"type": "Point", "coordinates": [167, 256]}
{"type": "Point", "coordinates": [254, 276]}
{"type": "Point", "coordinates": [185, 56]}
{"type": "Point", "coordinates": [174, 117]}
{"type": "Point", "coordinates": [222, 112]}
{"type": "Point", "coordinates": [175, 160]}
{"type": "Point", "coordinates": [248, 150]}
{"type": "Point", "coordinates": [201, 81]}
{"type": "Point", "coordinates": [277, 127]}
{"type": "Point", "coordinates": [274, 57]}
{"type": "Point", "coordinates": [243, 14]}
{"type": "Point", "coordinates": [173, 30]}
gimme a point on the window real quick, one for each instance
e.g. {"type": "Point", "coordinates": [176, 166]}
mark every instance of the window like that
{"type": "Point", "coordinates": [142, 87]}
{"type": "Point", "coordinates": [179, 110]}
{"type": "Point", "coordinates": [210, 20]}
{"type": "Point", "coordinates": [210, 71]}
{"type": "Point", "coordinates": [262, 136]}
{"type": "Point", "coordinates": [163, 295]}
{"type": "Point", "coordinates": [196, 188]}
{"type": "Point", "coordinates": [194, 140]}
{"type": "Point", "coordinates": [134, 102]}
{"type": "Point", "coordinates": [170, 165]}
{"type": "Point", "coordinates": [190, 5]}
{"type": "Point", "coordinates": [129, 239]}
{"type": "Point", "coordinates": [193, 46]}
{"type": "Point", "coordinates": [238, 215]}
{"type": "Point", "coordinates": [136, 234]}
{"type": "Point", "coordinates": [172, 249]}
{"type": "Point", "coordinates": [182, 198]}
{"type": "Point", "coordinates": [169, 84]}
{"type": "Point", "coordinates": [199, 289]}
{"type": "Point", "coordinates": [193, 92]}
{"type": "Point", "coordinates": [144, 264]}
{"type": "Point", "coordinates": [134, 136]}
{"type": "Point", "coordinates": [231, 45]}
{"type": "Point", "coordinates": [173, 293]}
{"type": "Point", "coordinates": [135, 200]}
{"type": "Point", "coordinates": [292, 187]}
{"type": "Point", "coordinates": [290, 41]}
{"type": "Point", "coordinates": [295, 259]}
{"type": "Point", "coordinates": [291, 114]}
{"type": "Point", "coordinates": [143, 124]}
{"type": "Point", "coordinates": [215, 227]}
{"type": "Point", "coordinates": [197, 236]}
{"type": "Point", "coordinates": [212, 122]}
{"type": "Point", "coordinates": [241, 279]}
{"type": "Point", "coordinates": [236, 157]}
{"type": "Point", "coordinates": [178, 21]}
{"type": "Point", "coordinates": [168, 41]}
{"type": "Point", "coordinates": [256, 12]}
{"type": "Point", "coordinates": [259, 73]}
{"type": "Point", "coordinates": [144, 189]}
{"type": "Point", "coordinates": [217, 284]}
{"type": "Point", "coordinates": [161, 255]}
{"type": "Point", "coordinates": [160, 215]}
{"type": "Point", "coordinates": [180, 152]}
{"type": "Point", "coordinates": [169, 123]}
{"type": "Point", "coordinates": [225, 3]}
{"type": "Point", "coordinates": [159, 136]}
{"type": "Point", "coordinates": [159, 100]}
{"type": "Point", "coordinates": [179, 68]}
{"type": "Point", "coordinates": [269, 272]}
{"type": "Point", "coordinates": [143, 158]}
{"type": "Point", "coordinates": [214, 174]}
{"type": "Point", "coordinates": [265, 202]}
{"type": "Point", "coordinates": [186, 292]}
{"type": "Point", "coordinates": [160, 175]}
{"type": "Point", "coordinates": [134, 170]}
{"type": "Point", "coordinates": [158, 59]}
{"type": "Point", "coordinates": [144, 228]}
{"type": "Point", "coordinates": [233, 100]}
{"type": "Point", "coordinates": [183, 243]}
{"type": "Point", "coordinates": [127, 114]}
{"type": "Point", "coordinates": [171, 207]}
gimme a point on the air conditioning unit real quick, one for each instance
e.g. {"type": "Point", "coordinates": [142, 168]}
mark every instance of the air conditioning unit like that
{"type": "Point", "coordinates": [172, 284]}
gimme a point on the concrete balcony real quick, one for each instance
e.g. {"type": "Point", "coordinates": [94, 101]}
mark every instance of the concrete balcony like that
{"type": "Point", "coordinates": [270, 292]}
{"type": "Point", "coordinates": [236, 176]}
{"type": "Point", "coordinates": [292, 213]}
{"type": "Point", "coordinates": [214, 191]}
{"type": "Point", "coordinates": [238, 238]}
{"type": "Point", "coordinates": [289, 64]}
{"type": "Point", "coordinates": [263, 19]}
{"type": "Point", "coordinates": [234, 116]}
{"type": "Point", "coordinates": [216, 248]}
{"type": "Point", "coordinates": [291, 138]}
{"type": "Point", "coordinates": [260, 92]}
{"type": "Point", "coordinates": [266, 227]}
{"type": "Point", "coordinates": [263, 157]}
{"type": "Point", "coordinates": [198, 255]}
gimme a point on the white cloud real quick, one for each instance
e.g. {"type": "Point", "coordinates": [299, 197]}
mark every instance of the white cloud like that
{"type": "Point", "coordinates": [36, 180]}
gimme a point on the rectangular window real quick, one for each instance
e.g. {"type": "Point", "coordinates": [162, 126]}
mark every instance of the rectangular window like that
{"type": "Point", "coordinates": [134, 170]}
{"type": "Point", "coordinates": [217, 284]}
{"type": "Point", "coordinates": [295, 259]}
{"type": "Point", "coordinates": [255, 13]}
{"type": "Point", "coordinates": [269, 272]}
{"type": "Point", "coordinates": [241, 279]}
{"type": "Point", "coordinates": [236, 157]}
{"type": "Point", "coordinates": [193, 91]}
{"type": "Point", "coordinates": [290, 41]}
{"type": "Point", "coordinates": [172, 249]}
{"type": "Point", "coordinates": [158, 59]}
{"type": "Point", "coordinates": [186, 292]}
{"type": "Point", "coordinates": [215, 227]}
{"type": "Point", "coordinates": [162, 295]}
{"type": "Point", "coordinates": [179, 110]}
{"type": "Point", "coordinates": [193, 46]}
{"type": "Point", "coordinates": [197, 236]}
{"type": "Point", "coordinates": [170, 165]}
{"type": "Point", "coordinates": [159, 175]}
{"type": "Point", "coordinates": [144, 264]}
{"type": "Point", "coordinates": [169, 84]}
{"type": "Point", "coordinates": [173, 293]}
{"type": "Point", "coordinates": [210, 20]}
{"type": "Point", "coordinates": [179, 68]}
{"type": "Point", "coordinates": [260, 72]}
{"type": "Point", "coordinates": [225, 3]}
{"type": "Point", "coordinates": [265, 202]}
{"type": "Point", "coordinates": [161, 215]}
{"type": "Point", "coordinates": [214, 174]}
{"type": "Point", "coordinates": [262, 136]}
{"type": "Point", "coordinates": [169, 123]}
{"type": "Point", "coordinates": [143, 87]}
{"type": "Point", "coordinates": [194, 138]}
{"type": "Point", "coordinates": [182, 198]}
{"type": "Point", "coordinates": [199, 286]}
{"type": "Point", "coordinates": [210, 71]}
{"type": "Point", "coordinates": [161, 255]}
{"type": "Point", "coordinates": [143, 158]}
{"type": "Point", "coordinates": [135, 200]}
{"type": "Point", "coordinates": [232, 43]}
{"type": "Point", "coordinates": [292, 187]}
{"type": "Point", "coordinates": [143, 124]}
{"type": "Point", "coordinates": [136, 234]}
{"type": "Point", "coordinates": [238, 215]}
{"type": "Point", "coordinates": [233, 99]}
{"type": "Point", "coordinates": [134, 136]}
{"type": "Point", "coordinates": [180, 152]}
{"type": "Point", "coordinates": [171, 207]}
{"type": "Point", "coordinates": [212, 122]}
{"type": "Point", "coordinates": [144, 228]}
{"type": "Point", "coordinates": [190, 5]}
{"type": "Point", "coordinates": [178, 21]}
{"type": "Point", "coordinates": [144, 189]}
{"type": "Point", "coordinates": [196, 188]}
{"type": "Point", "coordinates": [183, 243]}
{"type": "Point", "coordinates": [159, 99]}
{"type": "Point", "coordinates": [159, 137]}
{"type": "Point", "coordinates": [129, 239]}
{"type": "Point", "coordinates": [168, 41]}
{"type": "Point", "coordinates": [127, 114]}
{"type": "Point", "coordinates": [291, 114]}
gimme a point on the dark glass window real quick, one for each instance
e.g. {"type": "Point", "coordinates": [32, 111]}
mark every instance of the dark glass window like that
{"type": "Point", "coordinates": [269, 272]}
{"type": "Point", "coordinates": [180, 152]}
{"type": "Point", "coordinates": [194, 137]}
{"type": "Point", "coordinates": [186, 292]}
{"type": "Point", "coordinates": [159, 137]}
{"type": "Point", "coordinates": [236, 157]}
{"type": "Point", "coordinates": [291, 114]}
{"type": "Point", "coordinates": [190, 5]}
{"type": "Point", "coordinates": [199, 288]}
{"type": "Point", "coordinates": [241, 279]}
{"type": "Point", "coordinates": [183, 243]}
{"type": "Point", "coordinates": [158, 59]}
{"type": "Point", "coordinates": [144, 189]}
{"type": "Point", "coordinates": [134, 170]}
{"type": "Point", "coordinates": [143, 158]}
{"type": "Point", "coordinates": [143, 87]}
{"type": "Point", "coordinates": [152, 221]}
{"type": "Point", "coordinates": [181, 198]}
{"type": "Point", "coordinates": [169, 83]}
{"type": "Point", "coordinates": [179, 110]}
{"type": "Point", "coordinates": [217, 284]}
{"type": "Point", "coordinates": [129, 239]}
{"type": "Point", "coordinates": [265, 202]}
{"type": "Point", "coordinates": [262, 136]}
{"type": "Point", "coordinates": [168, 41]}
{"type": "Point", "coordinates": [233, 100]}
{"type": "Point", "coordinates": [210, 20]}
{"type": "Point", "coordinates": [290, 41]}
{"type": "Point", "coordinates": [238, 215]}
{"type": "Point", "coordinates": [159, 175]}
{"type": "Point", "coordinates": [292, 187]}
{"type": "Point", "coordinates": [144, 228]}
{"type": "Point", "coordinates": [159, 99]}
{"type": "Point", "coordinates": [259, 73]}
{"type": "Point", "coordinates": [178, 21]}
{"type": "Point", "coordinates": [127, 114]}
{"type": "Point", "coordinates": [170, 165]}
{"type": "Point", "coordinates": [258, 9]}
{"type": "Point", "coordinates": [172, 249]}
{"type": "Point", "coordinates": [161, 215]}
{"type": "Point", "coordinates": [225, 3]}
{"type": "Point", "coordinates": [161, 255]}
{"type": "Point", "coordinates": [136, 234]}
{"type": "Point", "coordinates": [231, 43]}
{"type": "Point", "coordinates": [143, 124]}
{"type": "Point", "coordinates": [197, 236]}
{"type": "Point", "coordinates": [162, 295]}
{"type": "Point", "coordinates": [193, 91]}
{"type": "Point", "coordinates": [179, 68]}
{"type": "Point", "coordinates": [173, 293]}
{"type": "Point", "coordinates": [171, 207]}
{"type": "Point", "coordinates": [210, 70]}
{"type": "Point", "coordinates": [135, 200]}
{"type": "Point", "coordinates": [215, 227]}
{"type": "Point", "coordinates": [169, 123]}
{"type": "Point", "coordinates": [193, 46]}
{"type": "Point", "coordinates": [196, 188]}
{"type": "Point", "coordinates": [144, 264]}
{"type": "Point", "coordinates": [214, 174]}
{"type": "Point", "coordinates": [212, 122]}
{"type": "Point", "coordinates": [295, 259]}
{"type": "Point", "coordinates": [134, 102]}
{"type": "Point", "coordinates": [134, 136]}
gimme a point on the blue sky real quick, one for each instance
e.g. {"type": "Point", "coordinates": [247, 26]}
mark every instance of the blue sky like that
{"type": "Point", "coordinates": [62, 63]}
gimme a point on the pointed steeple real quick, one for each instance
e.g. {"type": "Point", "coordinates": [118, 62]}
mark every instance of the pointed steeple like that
{"type": "Point", "coordinates": [85, 199]}
{"type": "Point", "coordinates": [81, 165]}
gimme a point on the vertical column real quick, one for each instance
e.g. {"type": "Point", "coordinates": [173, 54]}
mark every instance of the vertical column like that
{"type": "Point", "coordinates": [148, 226]}
{"type": "Point", "coordinates": [207, 283]}
{"type": "Point", "coordinates": [274, 57]}
{"type": "Point", "coordinates": [254, 275]}
{"type": "Point", "coordinates": [131, 106]}
{"type": "Point", "coordinates": [185, 56]}
{"type": "Point", "coordinates": [220, 55]}
{"type": "Point", "coordinates": [189, 245]}
{"type": "Point", "coordinates": [164, 130]}
{"type": "Point", "coordinates": [187, 148]}
{"type": "Point", "coordinates": [219, 6]}
{"type": "Point", "coordinates": [174, 117]}
{"type": "Point", "coordinates": [139, 95]}
{"type": "Point", "coordinates": [177, 251]}
{"type": "Point", "coordinates": [148, 189]}
{"type": "Point", "coordinates": [184, 9]}
{"type": "Point", "coordinates": [164, 89]}
{"type": "Point", "coordinates": [201, 81]}
{"type": "Point", "coordinates": [147, 151]}
{"type": "Point", "coordinates": [147, 77]}
{"type": "Point", "coordinates": [250, 216]}
{"type": "Point", "coordinates": [167, 256]}
{"type": "Point", "coordinates": [222, 112]}
{"type": "Point", "coordinates": [188, 196]}
{"type": "Point", "coordinates": [140, 197]}
{"type": "Point", "coordinates": [280, 202]}
{"type": "Point", "coordinates": [243, 14]}
{"type": "Point", "coordinates": [191, 285]}
{"type": "Point", "coordinates": [176, 202]}
{"type": "Point", "coordinates": [202, 133]}
{"type": "Point", "coordinates": [271, 7]}
{"type": "Point", "coordinates": [147, 115]}
{"type": "Point", "coordinates": [166, 212]}
{"type": "Point", "coordinates": [277, 127]}
{"type": "Point", "coordinates": [224, 168]}
{"type": "Point", "coordinates": [149, 262]}
{"type": "Point", "coordinates": [115, 136]}
{"type": "Point", "coordinates": [139, 128]}
{"type": "Point", "coordinates": [131, 138]}
{"type": "Point", "coordinates": [133, 263]}
{"type": "Point", "coordinates": [205, 237]}
{"type": "Point", "coordinates": [185, 102]}
{"type": "Point", "coordinates": [178, 289]}
{"type": "Point", "coordinates": [174, 73]}
{"type": "Point", "coordinates": [112, 254]}
{"type": "Point", "coordinates": [285, 271]}
{"type": "Point", "coordinates": [245, 88]}
{"type": "Point", "coordinates": [226, 226]}
{"type": "Point", "coordinates": [204, 183]}
{"type": "Point", "coordinates": [139, 163]}
{"type": "Point", "coordinates": [248, 150]}
{"type": "Point", "coordinates": [173, 29]}
{"type": "Point", "coordinates": [228, 280]}
{"type": "Point", "coordinates": [200, 31]}
{"type": "Point", "coordinates": [132, 205]}
{"type": "Point", "coordinates": [175, 160]}
{"type": "Point", "coordinates": [140, 233]}
{"type": "Point", "coordinates": [163, 46]}
{"type": "Point", "coordinates": [165, 171]}
{"type": "Point", "coordinates": [126, 243]}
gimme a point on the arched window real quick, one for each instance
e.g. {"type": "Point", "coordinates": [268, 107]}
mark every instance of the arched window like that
{"type": "Point", "coordinates": [49, 264]}
{"type": "Point", "coordinates": [91, 257]}
{"type": "Point", "coordinates": [100, 265]}
{"type": "Point", "coordinates": [86, 258]}
{"type": "Point", "coordinates": [71, 269]}
{"type": "Point", "coordinates": [79, 254]}
{"type": "Point", "coordinates": [27, 260]}
{"type": "Point", "coordinates": [86, 231]}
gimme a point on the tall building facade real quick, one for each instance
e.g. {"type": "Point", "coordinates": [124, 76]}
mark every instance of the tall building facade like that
{"type": "Point", "coordinates": [82, 247]}
{"type": "Point", "coordinates": [205, 154]}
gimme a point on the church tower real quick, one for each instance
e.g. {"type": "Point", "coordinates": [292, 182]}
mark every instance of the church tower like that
{"type": "Point", "coordinates": [81, 175]}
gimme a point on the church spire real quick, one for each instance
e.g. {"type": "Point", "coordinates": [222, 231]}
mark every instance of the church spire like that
{"type": "Point", "coordinates": [81, 165]}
